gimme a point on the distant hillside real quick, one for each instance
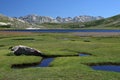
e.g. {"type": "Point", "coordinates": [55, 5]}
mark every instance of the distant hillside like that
{"type": "Point", "coordinates": [112, 22]}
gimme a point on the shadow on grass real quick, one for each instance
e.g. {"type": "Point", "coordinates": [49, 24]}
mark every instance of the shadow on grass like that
{"type": "Point", "coordinates": [2, 45]}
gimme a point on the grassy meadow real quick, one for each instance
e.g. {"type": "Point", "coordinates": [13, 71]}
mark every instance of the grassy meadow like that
{"type": "Point", "coordinates": [103, 49]}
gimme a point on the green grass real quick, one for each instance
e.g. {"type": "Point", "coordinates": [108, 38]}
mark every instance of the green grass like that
{"type": "Point", "coordinates": [103, 50]}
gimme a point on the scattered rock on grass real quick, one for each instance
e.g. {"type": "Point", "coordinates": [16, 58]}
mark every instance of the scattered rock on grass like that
{"type": "Point", "coordinates": [25, 50]}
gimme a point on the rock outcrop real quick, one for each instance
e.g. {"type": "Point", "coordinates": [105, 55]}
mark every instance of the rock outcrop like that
{"type": "Point", "coordinates": [4, 24]}
{"type": "Point", "coordinates": [19, 50]}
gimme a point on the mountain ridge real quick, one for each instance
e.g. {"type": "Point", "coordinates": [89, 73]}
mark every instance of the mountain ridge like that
{"type": "Point", "coordinates": [49, 22]}
{"type": "Point", "coordinates": [46, 19]}
{"type": "Point", "coordinates": [105, 23]}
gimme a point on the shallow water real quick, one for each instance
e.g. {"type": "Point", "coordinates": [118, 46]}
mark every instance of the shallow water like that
{"type": "Point", "coordinates": [115, 68]}
{"type": "Point", "coordinates": [82, 54]}
{"type": "Point", "coordinates": [45, 62]}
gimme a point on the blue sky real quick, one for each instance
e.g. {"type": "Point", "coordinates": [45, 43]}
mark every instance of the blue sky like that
{"type": "Point", "coordinates": [63, 8]}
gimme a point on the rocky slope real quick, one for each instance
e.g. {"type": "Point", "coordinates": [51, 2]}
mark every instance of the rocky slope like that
{"type": "Point", "coordinates": [8, 22]}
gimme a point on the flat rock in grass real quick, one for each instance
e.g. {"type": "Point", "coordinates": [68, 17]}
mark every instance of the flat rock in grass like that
{"type": "Point", "coordinates": [25, 50]}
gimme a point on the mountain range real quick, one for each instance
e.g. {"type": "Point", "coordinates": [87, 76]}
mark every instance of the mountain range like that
{"type": "Point", "coordinates": [35, 21]}
{"type": "Point", "coordinates": [45, 19]}
{"type": "Point", "coordinates": [103, 23]}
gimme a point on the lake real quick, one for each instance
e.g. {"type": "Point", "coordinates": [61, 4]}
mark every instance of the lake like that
{"type": "Point", "coordinates": [62, 30]}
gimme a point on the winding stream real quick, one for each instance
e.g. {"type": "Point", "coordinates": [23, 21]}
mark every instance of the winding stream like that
{"type": "Point", "coordinates": [45, 62]}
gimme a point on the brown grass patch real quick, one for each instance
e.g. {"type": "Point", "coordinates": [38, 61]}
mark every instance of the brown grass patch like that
{"type": "Point", "coordinates": [97, 34]}
{"type": "Point", "coordinates": [15, 33]}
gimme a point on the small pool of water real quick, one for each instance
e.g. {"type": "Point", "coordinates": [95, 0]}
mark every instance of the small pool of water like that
{"type": "Point", "coordinates": [82, 54]}
{"type": "Point", "coordinates": [115, 68]}
{"type": "Point", "coordinates": [45, 62]}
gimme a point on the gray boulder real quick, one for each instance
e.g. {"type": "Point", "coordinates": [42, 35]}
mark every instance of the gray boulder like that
{"type": "Point", "coordinates": [19, 50]}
